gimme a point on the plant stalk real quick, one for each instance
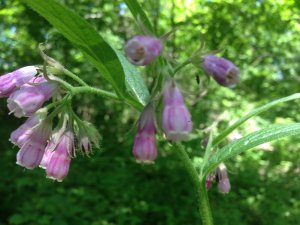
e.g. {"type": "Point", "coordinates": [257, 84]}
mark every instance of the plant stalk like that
{"type": "Point", "coordinates": [199, 185]}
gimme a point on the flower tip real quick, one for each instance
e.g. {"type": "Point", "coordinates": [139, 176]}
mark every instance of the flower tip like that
{"type": "Point", "coordinates": [30, 167]}
{"type": "Point", "coordinates": [178, 136]}
{"type": "Point", "coordinates": [55, 179]}
{"type": "Point", "coordinates": [145, 162]}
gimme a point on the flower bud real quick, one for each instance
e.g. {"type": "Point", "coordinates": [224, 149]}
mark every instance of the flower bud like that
{"type": "Point", "coordinates": [88, 137]}
{"type": "Point", "coordinates": [208, 181]}
{"type": "Point", "coordinates": [177, 122]}
{"type": "Point", "coordinates": [27, 100]}
{"type": "Point", "coordinates": [32, 151]}
{"type": "Point", "coordinates": [222, 70]}
{"type": "Point", "coordinates": [144, 148]}
{"type": "Point", "coordinates": [85, 145]}
{"type": "Point", "coordinates": [11, 81]}
{"type": "Point", "coordinates": [142, 50]}
{"type": "Point", "coordinates": [57, 167]}
{"type": "Point", "coordinates": [223, 180]}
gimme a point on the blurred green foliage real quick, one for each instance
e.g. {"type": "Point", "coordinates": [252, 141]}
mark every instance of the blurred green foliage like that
{"type": "Point", "coordinates": [261, 37]}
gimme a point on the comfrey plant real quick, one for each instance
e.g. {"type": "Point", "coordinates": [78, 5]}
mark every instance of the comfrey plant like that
{"type": "Point", "coordinates": [44, 97]}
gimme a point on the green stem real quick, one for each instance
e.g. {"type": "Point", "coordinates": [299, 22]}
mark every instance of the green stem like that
{"type": "Point", "coordinates": [200, 189]}
{"type": "Point", "coordinates": [74, 77]}
{"type": "Point", "coordinates": [66, 85]}
{"type": "Point", "coordinates": [181, 66]}
{"type": "Point", "coordinates": [97, 91]}
{"type": "Point", "coordinates": [62, 70]}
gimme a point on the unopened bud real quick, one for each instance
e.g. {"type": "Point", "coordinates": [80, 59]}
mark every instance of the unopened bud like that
{"type": "Point", "coordinates": [223, 180]}
{"type": "Point", "coordinates": [222, 70]}
{"type": "Point", "coordinates": [142, 50]}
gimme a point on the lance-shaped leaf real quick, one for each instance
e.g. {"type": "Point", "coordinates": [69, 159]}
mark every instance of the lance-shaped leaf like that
{"type": "Point", "coordinates": [253, 113]}
{"type": "Point", "coordinates": [252, 140]}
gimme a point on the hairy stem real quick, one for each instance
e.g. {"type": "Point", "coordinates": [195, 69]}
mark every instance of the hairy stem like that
{"type": "Point", "coordinates": [88, 89]}
{"type": "Point", "coordinates": [199, 185]}
{"type": "Point", "coordinates": [181, 66]}
{"type": "Point", "coordinates": [107, 94]}
{"type": "Point", "coordinates": [74, 77]}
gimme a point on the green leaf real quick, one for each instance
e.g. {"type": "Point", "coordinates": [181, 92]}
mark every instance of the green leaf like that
{"type": "Point", "coordinates": [84, 37]}
{"type": "Point", "coordinates": [134, 81]}
{"type": "Point", "coordinates": [139, 14]}
{"type": "Point", "coordinates": [252, 140]}
{"type": "Point", "coordinates": [254, 112]}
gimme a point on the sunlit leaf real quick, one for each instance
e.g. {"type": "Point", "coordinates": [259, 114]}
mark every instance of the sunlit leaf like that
{"type": "Point", "coordinates": [252, 140]}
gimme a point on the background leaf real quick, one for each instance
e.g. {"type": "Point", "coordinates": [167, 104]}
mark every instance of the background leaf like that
{"type": "Point", "coordinates": [139, 13]}
{"type": "Point", "coordinates": [252, 140]}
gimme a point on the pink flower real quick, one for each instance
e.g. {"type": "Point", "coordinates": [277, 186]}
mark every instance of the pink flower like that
{"type": "Point", "coordinates": [11, 81]}
{"type": "Point", "coordinates": [31, 152]}
{"type": "Point", "coordinates": [52, 143]}
{"type": "Point", "coordinates": [46, 157]}
{"type": "Point", "coordinates": [30, 156]}
{"type": "Point", "coordinates": [177, 122]}
{"type": "Point", "coordinates": [29, 98]}
{"type": "Point", "coordinates": [142, 50]}
{"type": "Point", "coordinates": [21, 135]}
{"type": "Point", "coordinates": [222, 70]}
{"type": "Point", "coordinates": [58, 164]}
{"type": "Point", "coordinates": [144, 148]}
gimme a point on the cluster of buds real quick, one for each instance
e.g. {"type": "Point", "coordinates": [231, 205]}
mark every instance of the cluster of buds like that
{"type": "Point", "coordinates": [27, 90]}
{"type": "Point", "coordinates": [142, 50]}
{"type": "Point", "coordinates": [221, 177]}
{"type": "Point", "coordinates": [176, 119]}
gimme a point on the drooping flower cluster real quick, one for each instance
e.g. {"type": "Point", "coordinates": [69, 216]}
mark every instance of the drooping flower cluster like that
{"type": "Point", "coordinates": [27, 90]}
